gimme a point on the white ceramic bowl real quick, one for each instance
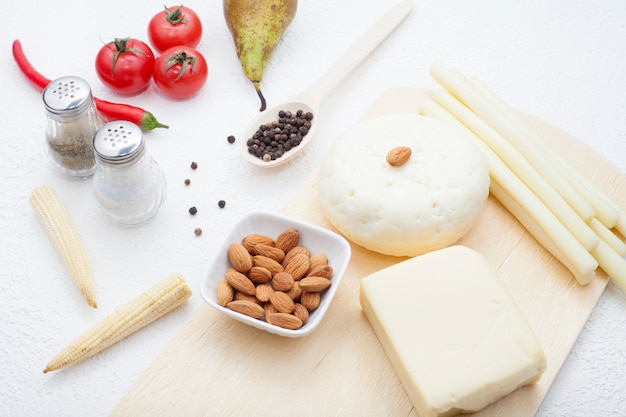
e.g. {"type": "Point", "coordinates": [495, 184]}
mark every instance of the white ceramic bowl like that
{"type": "Point", "coordinates": [315, 238]}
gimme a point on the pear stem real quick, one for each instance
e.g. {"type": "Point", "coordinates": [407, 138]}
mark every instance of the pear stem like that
{"type": "Point", "coordinates": [257, 86]}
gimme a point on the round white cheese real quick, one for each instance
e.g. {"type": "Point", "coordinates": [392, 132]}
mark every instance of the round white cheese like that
{"type": "Point", "coordinates": [427, 203]}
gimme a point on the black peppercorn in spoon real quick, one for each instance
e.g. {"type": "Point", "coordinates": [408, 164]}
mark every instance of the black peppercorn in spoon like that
{"type": "Point", "coordinates": [268, 142]}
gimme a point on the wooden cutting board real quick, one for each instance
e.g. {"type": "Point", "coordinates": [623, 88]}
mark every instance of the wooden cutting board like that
{"type": "Point", "coordinates": [216, 366]}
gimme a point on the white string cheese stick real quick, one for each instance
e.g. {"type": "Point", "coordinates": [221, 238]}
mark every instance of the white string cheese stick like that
{"type": "Point", "coordinates": [537, 231]}
{"type": "Point", "coordinates": [520, 166]}
{"type": "Point", "coordinates": [621, 225]}
{"type": "Point", "coordinates": [606, 211]}
{"type": "Point", "coordinates": [610, 252]}
{"type": "Point", "coordinates": [466, 93]}
{"type": "Point", "coordinates": [605, 204]}
{"type": "Point", "coordinates": [525, 205]}
{"type": "Point", "coordinates": [608, 236]}
{"type": "Point", "coordinates": [611, 263]}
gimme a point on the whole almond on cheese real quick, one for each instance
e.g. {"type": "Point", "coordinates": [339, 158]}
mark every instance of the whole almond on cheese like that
{"type": "Point", "coordinates": [295, 251]}
{"type": "Point", "coordinates": [259, 275]}
{"type": "Point", "coordinates": [268, 263]}
{"type": "Point", "coordinates": [314, 284]}
{"type": "Point", "coordinates": [247, 307]}
{"type": "Point", "coordinates": [239, 257]}
{"type": "Point", "coordinates": [263, 292]}
{"type": "Point", "coordinates": [253, 239]}
{"type": "Point", "coordinates": [284, 320]}
{"type": "Point", "coordinates": [282, 281]}
{"type": "Point", "coordinates": [240, 282]}
{"type": "Point", "coordinates": [282, 302]}
{"type": "Point", "coordinates": [270, 251]}
{"type": "Point", "coordinates": [398, 156]}
{"type": "Point", "coordinates": [310, 300]}
{"type": "Point", "coordinates": [225, 293]}
{"type": "Point", "coordinates": [325, 271]}
{"type": "Point", "coordinates": [301, 312]}
{"type": "Point", "coordinates": [298, 266]}
{"type": "Point", "coordinates": [288, 239]}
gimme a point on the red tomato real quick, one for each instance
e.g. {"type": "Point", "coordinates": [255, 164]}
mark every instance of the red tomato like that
{"type": "Point", "coordinates": [180, 72]}
{"type": "Point", "coordinates": [125, 65]}
{"type": "Point", "coordinates": [175, 26]}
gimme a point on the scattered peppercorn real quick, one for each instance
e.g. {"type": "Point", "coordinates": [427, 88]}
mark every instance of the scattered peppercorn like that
{"type": "Point", "coordinates": [273, 139]}
{"type": "Point", "coordinates": [194, 165]}
{"type": "Point", "coordinates": [231, 139]}
{"type": "Point", "coordinates": [197, 231]}
{"type": "Point", "coordinates": [193, 210]}
{"type": "Point", "coordinates": [221, 203]}
{"type": "Point", "coordinates": [187, 181]}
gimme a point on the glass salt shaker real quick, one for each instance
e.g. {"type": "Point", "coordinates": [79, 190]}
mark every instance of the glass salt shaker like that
{"type": "Point", "coordinates": [128, 183]}
{"type": "Point", "coordinates": [72, 121]}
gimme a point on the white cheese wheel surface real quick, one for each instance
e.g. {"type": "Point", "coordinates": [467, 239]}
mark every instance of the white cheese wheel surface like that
{"type": "Point", "coordinates": [428, 203]}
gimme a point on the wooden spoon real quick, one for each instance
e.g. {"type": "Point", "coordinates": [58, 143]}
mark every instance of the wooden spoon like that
{"type": "Point", "coordinates": [310, 99]}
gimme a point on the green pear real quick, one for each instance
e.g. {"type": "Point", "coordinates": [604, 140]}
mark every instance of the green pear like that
{"type": "Point", "coordinates": [256, 27]}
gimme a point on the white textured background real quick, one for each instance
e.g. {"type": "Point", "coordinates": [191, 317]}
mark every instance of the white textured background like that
{"type": "Point", "coordinates": [560, 61]}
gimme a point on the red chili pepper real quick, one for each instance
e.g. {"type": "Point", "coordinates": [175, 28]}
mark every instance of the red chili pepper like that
{"type": "Point", "coordinates": [111, 111]}
{"type": "Point", "coordinates": [116, 111]}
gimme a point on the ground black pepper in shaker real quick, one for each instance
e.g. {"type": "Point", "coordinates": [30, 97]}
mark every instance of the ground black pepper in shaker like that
{"type": "Point", "coordinates": [72, 121]}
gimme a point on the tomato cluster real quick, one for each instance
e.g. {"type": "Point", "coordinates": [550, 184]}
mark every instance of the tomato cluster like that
{"type": "Point", "coordinates": [127, 65]}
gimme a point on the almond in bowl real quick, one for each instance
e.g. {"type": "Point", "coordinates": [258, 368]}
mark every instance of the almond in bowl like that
{"type": "Point", "coordinates": [256, 274]}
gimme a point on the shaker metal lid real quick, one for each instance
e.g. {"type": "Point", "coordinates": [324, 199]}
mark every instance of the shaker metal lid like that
{"type": "Point", "coordinates": [118, 142]}
{"type": "Point", "coordinates": [67, 96]}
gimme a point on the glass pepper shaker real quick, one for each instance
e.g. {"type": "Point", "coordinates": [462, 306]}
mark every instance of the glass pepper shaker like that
{"type": "Point", "coordinates": [128, 183]}
{"type": "Point", "coordinates": [72, 122]}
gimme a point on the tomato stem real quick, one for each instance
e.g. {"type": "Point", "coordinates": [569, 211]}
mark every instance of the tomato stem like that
{"type": "Point", "coordinates": [121, 48]}
{"type": "Point", "coordinates": [175, 16]}
{"type": "Point", "coordinates": [182, 59]}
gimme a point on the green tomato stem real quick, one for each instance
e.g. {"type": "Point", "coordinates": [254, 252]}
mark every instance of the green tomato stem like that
{"type": "Point", "coordinates": [175, 16]}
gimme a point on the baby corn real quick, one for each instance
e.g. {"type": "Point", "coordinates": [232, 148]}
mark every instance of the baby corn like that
{"type": "Point", "coordinates": [164, 297]}
{"type": "Point", "coordinates": [58, 225]}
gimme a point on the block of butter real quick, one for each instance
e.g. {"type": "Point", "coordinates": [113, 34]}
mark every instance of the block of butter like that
{"type": "Point", "coordinates": [454, 335]}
